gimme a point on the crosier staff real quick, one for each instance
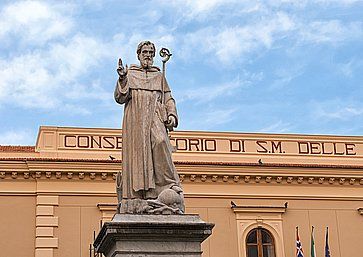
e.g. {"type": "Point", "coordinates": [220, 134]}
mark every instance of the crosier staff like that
{"type": "Point", "coordinates": [165, 54]}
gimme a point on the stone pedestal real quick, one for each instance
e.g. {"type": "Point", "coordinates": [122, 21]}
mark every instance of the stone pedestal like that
{"type": "Point", "coordinates": [132, 235]}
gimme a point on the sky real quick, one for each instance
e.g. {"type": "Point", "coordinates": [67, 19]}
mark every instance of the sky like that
{"type": "Point", "coordinates": [271, 66]}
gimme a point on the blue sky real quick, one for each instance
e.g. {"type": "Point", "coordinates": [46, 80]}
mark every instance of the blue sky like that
{"type": "Point", "coordinates": [246, 66]}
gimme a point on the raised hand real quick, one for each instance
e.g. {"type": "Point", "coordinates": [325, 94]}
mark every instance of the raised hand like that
{"type": "Point", "coordinates": [120, 69]}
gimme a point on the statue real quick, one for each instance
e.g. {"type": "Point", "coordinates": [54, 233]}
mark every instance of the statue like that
{"type": "Point", "coordinates": [149, 181]}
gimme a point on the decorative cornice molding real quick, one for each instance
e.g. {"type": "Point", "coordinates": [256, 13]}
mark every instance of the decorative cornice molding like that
{"type": "Point", "coordinates": [189, 163]}
{"type": "Point", "coordinates": [267, 165]}
{"type": "Point", "coordinates": [268, 179]}
{"type": "Point", "coordinates": [59, 175]}
{"type": "Point", "coordinates": [225, 178]}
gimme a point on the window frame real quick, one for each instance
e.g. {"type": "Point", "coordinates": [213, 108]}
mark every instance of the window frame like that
{"type": "Point", "coordinates": [259, 242]}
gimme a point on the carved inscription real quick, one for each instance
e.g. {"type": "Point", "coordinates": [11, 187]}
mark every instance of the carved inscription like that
{"type": "Point", "coordinates": [194, 144]}
{"type": "Point", "coordinates": [269, 147]}
{"type": "Point", "coordinates": [326, 148]}
{"type": "Point", "coordinates": [222, 145]}
{"type": "Point", "coordinates": [236, 145]}
{"type": "Point", "coordinates": [92, 141]}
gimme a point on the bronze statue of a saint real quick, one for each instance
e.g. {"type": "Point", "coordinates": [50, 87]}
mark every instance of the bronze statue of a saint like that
{"type": "Point", "coordinates": [149, 182]}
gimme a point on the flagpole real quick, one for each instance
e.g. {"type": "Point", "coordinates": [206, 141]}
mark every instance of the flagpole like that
{"type": "Point", "coordinates": [312, 243]}
{"type": "Point", "coordinates": [299, 249]}
{"type": "Point", "coordinates": [327, 250]}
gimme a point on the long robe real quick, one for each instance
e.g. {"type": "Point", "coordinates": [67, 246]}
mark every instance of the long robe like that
{"type": "Point", "coordinates": [147, 166]}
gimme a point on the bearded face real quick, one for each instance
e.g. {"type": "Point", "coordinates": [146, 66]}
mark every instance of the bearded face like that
{"type": "Point", "coordinates": [146, 56]}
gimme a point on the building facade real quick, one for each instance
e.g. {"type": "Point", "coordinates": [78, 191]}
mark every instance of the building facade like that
{"type": "Point", "coordinates": [256, 188]}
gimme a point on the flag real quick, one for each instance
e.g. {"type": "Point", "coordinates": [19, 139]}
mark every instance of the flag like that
{"type": "Point", "coordinates": [327, 251]}
{"type": "Point", "coordinates": [312, 243]}
{"type": "Point", "coordinates": [299, 250]}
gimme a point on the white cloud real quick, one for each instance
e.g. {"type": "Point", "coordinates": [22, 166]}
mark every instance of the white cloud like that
{"type": "Point", "coordinates": [339, 2]}
{"type": "Point", "coordinates": [41, 76]}
{"type": "Point", "coordinates": [205, 5]}
{"type": "Point", "coordinates": [206, 94]}
{"type": "Point", "coordinates": [268, 27]}
{"type": "Point", "coordinates": [337, 109]}
{"type": "Point", "coordinates": [34, 21]}
{"type": "Point", "coordinates": [285, 75]}
{"type": "Point", "coordinates": [52, 75]}
{"type": "Point", "coordinates": [209, 118]}
{"type": "Point", "coordinates": [21, 137]}
{"type": "Point", "coordinates": [350, 68]}
{"type": "Point", "coordinates": [77, 56]}
{"type": "Point", "coordinates": [206, 9]}
{"type": "Point", "coordinates": [278, 127]}
{"type": "Point", "coordinates": [332, 31]}
{"type": "Point", "coordinates": [305, 3]}
{"type": "Point", "coordinates": [25, 81]}
{"type": "Point", "coordinates": [75, 109]}
{"type": "Point", "coordinates": [346, 69]}
{"type": "Point", "coordinates": [46, 77]}
{"type": "Point", "coordinates": [341, 114]}
{"type": "Point", "coordinates": [231, 44]}
{"type": "Point", "coordinates": [219, 116]}
{"type": "Point", "coordinates": [337, 116]}
{"type": "Point", "coordinates": [193, 8]}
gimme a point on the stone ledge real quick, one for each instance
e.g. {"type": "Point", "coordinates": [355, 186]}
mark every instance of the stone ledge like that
{"type": "Point", "coordinates": [158, 219]}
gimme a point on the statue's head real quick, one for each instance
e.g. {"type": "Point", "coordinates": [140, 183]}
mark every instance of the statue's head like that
{"type": "Point", "coordinates": [146, 53]}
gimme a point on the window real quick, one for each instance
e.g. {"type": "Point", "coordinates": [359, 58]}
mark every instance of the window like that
{"type": "Point", "coordinates": [260, 243]}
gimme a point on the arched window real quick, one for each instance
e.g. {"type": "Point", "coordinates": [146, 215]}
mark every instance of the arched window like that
{"type": "Point", "coordinates": [260, 243]}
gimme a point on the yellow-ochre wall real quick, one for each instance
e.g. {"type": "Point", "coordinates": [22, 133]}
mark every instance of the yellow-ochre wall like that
{"type": "Point", "coordinates": [53, 199]}
{"type": "Point", "coordinates": [79, 216]}
{"type": "Point", "coordinates": [17, 225]}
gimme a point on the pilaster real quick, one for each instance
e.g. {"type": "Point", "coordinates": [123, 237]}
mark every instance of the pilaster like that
{"type": "Point", "coordinates": [45, 241]}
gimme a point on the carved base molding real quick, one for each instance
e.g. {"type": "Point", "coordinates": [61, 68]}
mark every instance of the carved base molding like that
{"type": "Point", "coordinates": [129, 235]}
